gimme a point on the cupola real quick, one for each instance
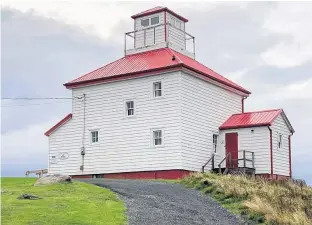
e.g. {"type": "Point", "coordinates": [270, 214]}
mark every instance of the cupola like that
{"type": "Point", "coordinates": [156, 28]}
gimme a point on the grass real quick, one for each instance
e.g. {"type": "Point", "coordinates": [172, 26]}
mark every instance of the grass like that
{"type": "Point", "coordinates": [66, 204]}
{"type": "Point", "coordinates": [263, 201]}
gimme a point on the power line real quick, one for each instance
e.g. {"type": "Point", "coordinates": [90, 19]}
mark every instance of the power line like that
{"type": "Point", "coordinates": [38, 98]}
{"type": "Point", "coordinates": [50, 103]}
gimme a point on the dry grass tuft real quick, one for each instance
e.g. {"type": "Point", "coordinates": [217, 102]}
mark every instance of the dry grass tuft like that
{"type": "Point", "coordinates": [278, 202]}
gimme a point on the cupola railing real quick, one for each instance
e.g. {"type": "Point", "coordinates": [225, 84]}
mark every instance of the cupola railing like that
{"type": "Point", "coordinates": [159, 37]}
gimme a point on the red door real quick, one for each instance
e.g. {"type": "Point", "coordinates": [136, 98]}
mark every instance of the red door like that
{"type": "Point", "coordinates": [231, 145]}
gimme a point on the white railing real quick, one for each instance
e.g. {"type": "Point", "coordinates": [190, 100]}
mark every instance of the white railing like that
{"type": "Point", "coordinates": [162, 35]}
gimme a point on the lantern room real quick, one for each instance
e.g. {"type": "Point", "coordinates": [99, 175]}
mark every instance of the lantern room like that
{"type": "Point", "coordinates": [159, 27]}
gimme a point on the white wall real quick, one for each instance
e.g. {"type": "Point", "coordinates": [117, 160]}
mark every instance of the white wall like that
{"type": "Point", "coordinates": [204, 107]}
{"type": "Point", "coordinates": [257, 141]}
{"type": "Point", "coordinates": [280, 155]}
{"type": "Point", "coordinates": [124, 143]}
{"type": "Point", "coordinates": [176, 37]}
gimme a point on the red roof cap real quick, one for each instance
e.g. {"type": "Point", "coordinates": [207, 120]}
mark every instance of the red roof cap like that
{"type": "Point", "coordinates": [148, 61]}
{"type": "Point", "coordinates": [157, 10]}
{"type": "Point", "coordinates": [59, 124]}
{"type": "Point", "coordinates": [251, 119]}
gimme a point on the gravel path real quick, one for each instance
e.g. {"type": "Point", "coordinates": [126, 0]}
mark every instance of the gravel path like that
{"type": "Point", "coordinates": [157, 203]}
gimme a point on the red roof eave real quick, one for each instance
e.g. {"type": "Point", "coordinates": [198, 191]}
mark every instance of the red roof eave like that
{"type": "Point", "coordinates": [220, 81]}
{"type": "Point", "coordinates": [158, 11]}
{"type": "Point", "coordinates": [121, 76]}
{"type": "Point", "coordinates": [142, 73]}
{"type": "Point", "coordinates": [244, 126]}
{"type": "Point", "coordinates": [59, 124]}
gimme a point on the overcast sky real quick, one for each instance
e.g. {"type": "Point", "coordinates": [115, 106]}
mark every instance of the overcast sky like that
{"type": "Point", "coordinates": [265, 47]}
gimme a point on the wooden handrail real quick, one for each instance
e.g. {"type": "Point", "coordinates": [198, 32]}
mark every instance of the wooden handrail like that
{"type": "Point", "coordinates": [227, 155]}
{"type": "Point", "coordinates": [210, 159]}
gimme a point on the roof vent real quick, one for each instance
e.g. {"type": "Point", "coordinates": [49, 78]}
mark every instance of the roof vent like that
{"type": "Point", "coordinates": [173, 58]}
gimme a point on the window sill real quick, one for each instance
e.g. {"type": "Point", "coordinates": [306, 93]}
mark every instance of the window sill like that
{"type": "Point", "coordinates": [158, 146]}
{"type": "Point", "coordinates": [129, 117]}
{"type": "Point", "coordinates": [160, 97]}
{"type": "Point", "coordinates": [94, 144]}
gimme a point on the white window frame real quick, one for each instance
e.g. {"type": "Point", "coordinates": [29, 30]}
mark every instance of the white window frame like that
{"type": "Point", "coordinates": [215, 146]}
{"type": "Point", "coordinates": [126, 108]}
{"type": "Point", "coordinates": [161, 89]}
{"type": "Point", "coordinates": [149, 19]}
{"type": "Point", "coordinates": [153, 137]}
{"type": "Point", "coordinates": [279, 141]}
{"type": "Point", "coordinates": [153, 18]}
{"type": "Point", "coordinates": [91, 137]}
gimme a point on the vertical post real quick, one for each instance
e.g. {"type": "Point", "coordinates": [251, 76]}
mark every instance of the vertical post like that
{"type": "Point", "coordinates": [154, 35]}
{"type": "Point", "coordinates": [125, 48]}
{"type": "Point", "coordinates": [194, 46]}
{"type": "Point", "coordinates": [165, 25]}
{"type": "Point", "coordinates": [144, 37]}
{"type": "Point", "coordinates": [244, 158]}
{"type": "Point", "coordinates": [253, 160]}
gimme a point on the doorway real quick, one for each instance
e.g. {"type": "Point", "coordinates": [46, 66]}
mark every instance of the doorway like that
{"type": "Point", "coordinates": [231, 146]}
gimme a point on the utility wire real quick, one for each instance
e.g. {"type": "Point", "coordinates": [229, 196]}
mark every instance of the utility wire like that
{"type": "Point", "coordinates": [36, 98]}
{"type": "Point", "coordinates": [50, 103]}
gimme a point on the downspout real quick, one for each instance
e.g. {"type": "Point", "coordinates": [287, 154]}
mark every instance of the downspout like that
{"type": "Point", "coordinates": [271, 150]}
{"type": "Point", "coordinates": [289, 148]}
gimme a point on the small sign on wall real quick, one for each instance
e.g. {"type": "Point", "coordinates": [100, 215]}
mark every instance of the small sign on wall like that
{"type": "Point", "coordinates": [59, 157]}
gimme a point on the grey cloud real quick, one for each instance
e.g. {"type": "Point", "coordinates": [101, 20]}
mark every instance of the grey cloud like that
{"type": "Point", "coordinates": [38, 56]}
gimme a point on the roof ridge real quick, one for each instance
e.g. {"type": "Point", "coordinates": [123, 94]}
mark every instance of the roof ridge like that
{"type": "Point", "coordinates": [259, 111]}
{"type": "Point", "coordinates": [174, 54]}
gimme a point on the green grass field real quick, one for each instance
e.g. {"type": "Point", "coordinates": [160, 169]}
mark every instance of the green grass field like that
{"type": "Point", "coordinates": [61, 204]}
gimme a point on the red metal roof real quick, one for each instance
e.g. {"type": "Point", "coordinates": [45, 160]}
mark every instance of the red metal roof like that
{"type": "Point", "coordinates": [149, 61]}
{"type": "Point", "coordinates": [157, 10]}
{"type": "Point", "coordinates": [59, 124]}
{"type": "Point", "coordinates": [251, 119]}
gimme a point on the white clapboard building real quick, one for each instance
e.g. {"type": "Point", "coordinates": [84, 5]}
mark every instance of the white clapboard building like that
{"type": "Point", "coordinates": [159, 113]}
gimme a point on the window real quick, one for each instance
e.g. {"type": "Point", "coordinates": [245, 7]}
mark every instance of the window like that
{"type": "Point", "coordinates": [280, 139]}
{"type": "Point", "coordinates": [155, 20]}
{"type": "Point", "coordinates": [157, 89]}
{"type": "Point", "coordinates": [215, 142]}
{"type": "Point", "coordinates": [178, 24]}
{"type": "Point", "coordinates": [130, 108]}
{"type": "Point", "coordinates": [94, 136]}
{"type": "Point", "coordinates": [157, 138]}
{"type": "Point", "coordinates": [172, 21]}
{"type": "Point", "coordinates": [145, 23]}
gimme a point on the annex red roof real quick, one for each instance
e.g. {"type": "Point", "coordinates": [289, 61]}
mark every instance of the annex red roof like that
{"type": "Point", "coordinates": [150, 61]}
{"type": "Point", "coordinates": [251, 119]}
{"type": "Point", "coordinates": [157, 10]}
{"type": "Point", "coordinates": [59, 124]}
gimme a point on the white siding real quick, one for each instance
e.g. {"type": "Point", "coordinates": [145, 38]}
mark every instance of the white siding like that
{"type": "Point", "coordinates": [257, 142]}
{"type": "Point", "coordinates": [280, 155]}
{"type": "Point", "coordinates": [151, 36]}
{"type": "Point", "coordinates": [176, 37]}
{"type": "Point", "coordinates": [204, 107]}
{"type": "Point", "coordinates": [124, 143]}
